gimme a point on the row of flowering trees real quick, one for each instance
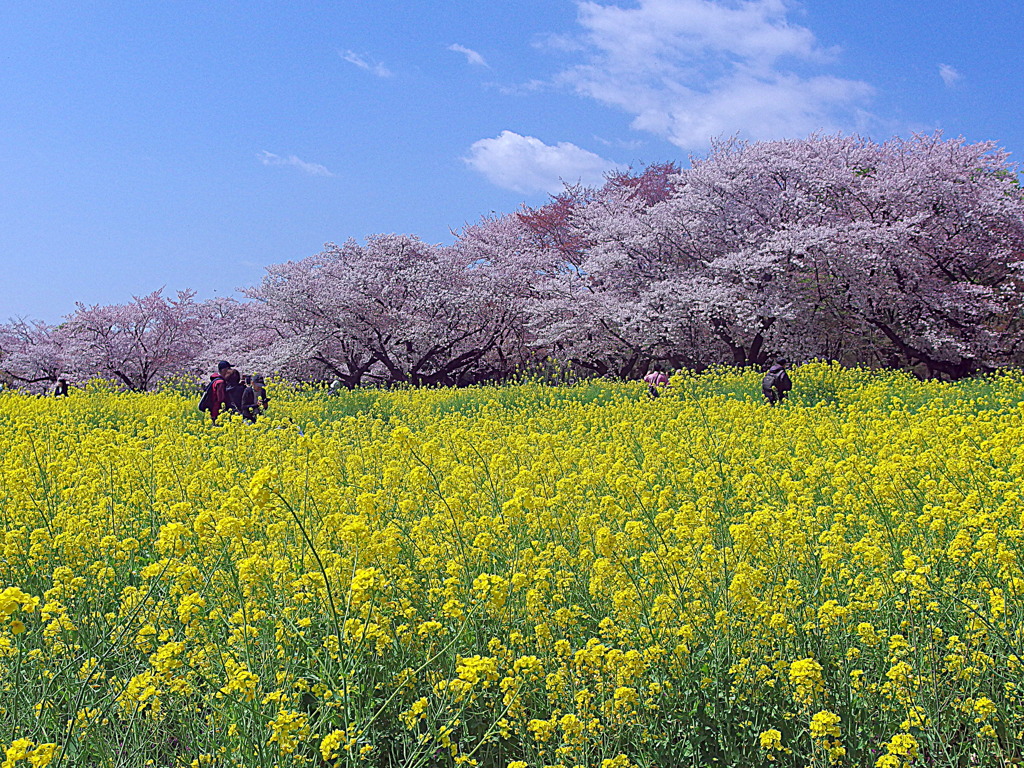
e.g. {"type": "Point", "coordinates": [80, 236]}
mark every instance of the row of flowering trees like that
{"type": "Point", "coordinates": [137, 344]}
{"type": "Point", "coordinates": [903, 253]}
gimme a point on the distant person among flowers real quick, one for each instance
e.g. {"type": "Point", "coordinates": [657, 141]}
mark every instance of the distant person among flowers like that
{"type": "Point", "coordinates": [238, 397]}
{"type": "Point", "coordinates": [776, 383]}
{"type": "Point", "coordinates": [60, 389]}
{"type": "Point", "coordinates": [214, 395]}
{"type": "Point", "coordinates": [243, 396]}
{"type": "Point", "coordinates": [259, 388]}
{"type": "Point", "coordinates": [654, 380]}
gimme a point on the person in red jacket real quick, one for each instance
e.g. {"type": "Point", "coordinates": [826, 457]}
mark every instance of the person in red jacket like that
{"type": "Point", "coordinates": [215, 395]}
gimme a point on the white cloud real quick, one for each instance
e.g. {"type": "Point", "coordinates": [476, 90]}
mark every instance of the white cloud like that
{"type": "Point", "coordinates": [521, 89]}
{"type": "Point", "coordinates": [632, 145]}
{"type": "Point", "coordinates": [690, 70]}
{"type": "Point", "coordinates": [313, 169]}
{"type": "Point", "coordinates": [376, 68]}
{"type": "Point", "coordinates": [472, 57]}
{"type": "Point", "coordinates": [949, 75]}
{"type": "Point", "coordinates": [526, 164]}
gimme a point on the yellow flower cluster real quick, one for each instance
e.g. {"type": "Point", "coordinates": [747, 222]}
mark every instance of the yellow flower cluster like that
{"type": "Point", "coordinates": [518, 576]}
{"type": "Point", "coordinates": [35, 755]}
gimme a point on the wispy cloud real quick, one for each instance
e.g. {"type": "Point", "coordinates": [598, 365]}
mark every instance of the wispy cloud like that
{"type": "Point", "coordinates": [521, 89]}
{"type": "Point", "coordinates": [313, 169]}
{"type": "Point", "coordinates": [631, 145]}
{"type": "Point", "coordinates": [375, 67]}
{"type": "Point", "coordinates": [949, 75]}
{"type": "Point", "coordinates": [690, 70]}
{"type": "Point", "coordinates": [527, 164]}
{"type": "Point", "coordinates": [472, 57]}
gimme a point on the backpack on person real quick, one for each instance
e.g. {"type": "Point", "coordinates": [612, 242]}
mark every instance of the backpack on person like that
{"type": "Point", "coordinates": [777, 380]}
{"type": "Point", "coordinates": [776, 384]}
{"type": "Point", "coordinates": [213, 395]}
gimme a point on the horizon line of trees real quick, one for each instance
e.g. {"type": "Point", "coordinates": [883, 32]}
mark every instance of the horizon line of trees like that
{"type": "Point", "coordinates": [903, 254]}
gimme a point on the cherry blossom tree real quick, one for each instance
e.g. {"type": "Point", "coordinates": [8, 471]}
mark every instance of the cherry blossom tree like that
{"type": "Point", "coordinates": [249, 337]}
{"type": "Point", "coordinates": [395, 309]}
{"type": "Point", "coordinates": [503, 268]}
{"type": "Point", "coordinates": [312, 334]}
{"type": "Point", "coordinates": [34, 354]}
{"type": "Point", "coordinates": [907, 248]}
{"type": "Point", "coordinates": [828, 246]}
{"type": "Point", "coordinates": [138, 343]}
{"type": "Point", "coordinates": [593, 305]}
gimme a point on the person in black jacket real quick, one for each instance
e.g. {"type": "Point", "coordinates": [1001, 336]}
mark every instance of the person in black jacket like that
{"type": "Point", "coordinates": [238, 396]}
{"type": "Point", "coordinates": [259, 388]}
{"type": "Point", "coordinates": [234, 389]}
{"type": "Point", "coordinates": [776, 383]}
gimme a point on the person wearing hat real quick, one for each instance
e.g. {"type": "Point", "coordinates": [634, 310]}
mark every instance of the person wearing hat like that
{"type": "Point", "coordinates": [259, 386]}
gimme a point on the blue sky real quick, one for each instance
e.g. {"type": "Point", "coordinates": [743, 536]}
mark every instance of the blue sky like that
{"type": "Point", "coordinates": [190, 144]}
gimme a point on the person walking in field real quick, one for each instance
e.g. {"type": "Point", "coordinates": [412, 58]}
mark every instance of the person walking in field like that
{"type": "Point", "coordinates": [654, 380]}
{"type": "Point", "coordinates": [259, 388]}
{"type": "Point", "coordinates": [214, 396]}
{"type": "Point", "coordinates": [238, 397]}
{"type": "Point", "coordinates": [60, 389]}
{"type": "Point", "coordinates": [776, 383]}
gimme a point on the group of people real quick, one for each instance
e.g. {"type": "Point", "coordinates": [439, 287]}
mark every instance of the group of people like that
{"type": "Point", "coordinates": [775, 385]}
{"type": "Point", "coordinates": [247, 396]}
{"type": "Point", "coordinates": [229, 391]}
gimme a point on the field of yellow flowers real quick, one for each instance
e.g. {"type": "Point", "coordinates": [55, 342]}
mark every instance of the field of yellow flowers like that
{"type": "Point", "coordinates": [518, 576]}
